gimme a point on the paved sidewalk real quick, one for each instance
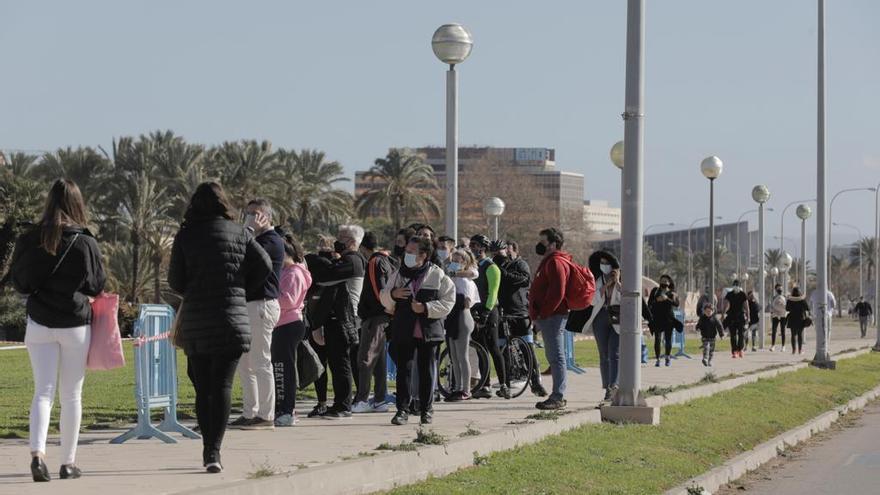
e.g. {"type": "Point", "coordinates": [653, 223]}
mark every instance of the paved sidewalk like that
{"type": "Point", "coordinates": [153, 467]}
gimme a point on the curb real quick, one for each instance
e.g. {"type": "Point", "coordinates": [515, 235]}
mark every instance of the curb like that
{"type": "Point", "coordinates": [387, 471]}
{"type": "Point", "coordinates": [749, 461]}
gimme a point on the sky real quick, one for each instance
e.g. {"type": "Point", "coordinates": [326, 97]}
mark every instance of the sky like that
{"type": "Point", "coordinates": [736, 79]}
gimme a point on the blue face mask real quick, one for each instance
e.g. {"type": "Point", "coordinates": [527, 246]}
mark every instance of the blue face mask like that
{"type": "Point", "coordinates": [454, 267]}
{"type": "Point", "coordinates": [410, 260]}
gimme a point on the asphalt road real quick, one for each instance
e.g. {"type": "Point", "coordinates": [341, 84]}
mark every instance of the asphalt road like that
{"type": "Point", "coordinates": [845, 463]}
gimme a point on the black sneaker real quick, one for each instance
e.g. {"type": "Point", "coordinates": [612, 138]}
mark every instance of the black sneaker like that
{"type": "Point", "coordinates": [427, 418]}
{"type": "Point", "coordinates": [214, 468]}
{"type": "Point", "coordinates": [334, 413]}
{"type": "Point", "coordinates": [69, 471]}
{"type": "Point", "coordinates": [551, 404]}
{"type": "Point", "coordinates": [539, 390]}
{"type": "Point", "coordinates": [483, 393]}
{"type": "Point", "coordinates": [401, 418]}
{"type": "Point", "coordinates": [39, 470]}
{"type": "Point", "coordinates": [319, 410]}
{"type": "Point", "coordinates": [455, 397]}
{"type": "Point", "coordinates": [239, 422]}
{"type": "Point", "coordinates": [258, 423]}
{"type": "Point", "coordinates": [503, 392]}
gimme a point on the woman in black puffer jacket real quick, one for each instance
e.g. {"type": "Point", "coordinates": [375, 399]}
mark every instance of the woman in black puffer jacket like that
{"type": "Point", "coordinates": [214, 261]}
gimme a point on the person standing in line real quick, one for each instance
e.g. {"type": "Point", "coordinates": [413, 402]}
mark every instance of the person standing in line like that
{"type": "Point", "coordinates": [214, 263]}
{"type": "Point", "coordinates": [602, 265]}
{"type": "Point", "coordinates": [319, 301]}
{"type": "Point", "coordinates": [778, 317]}
{"type": "Point", "coordinates": [290, 331]}
{"type": "Point", "coordinates": [709, 328]}
{"type": "Point", "coordinates": [400, 240]}
{"type": "Point", "coordinates": [445, 247]}
{"type": "Point", "coordinates": [420, 296]}
{"type": "Point", "coordinates": [736, 310]}
{"type": "Point", "coordinates": [342, 329]}
{"type": "Point", "coordinates": [460, 323]}
{"type": "Point", "coordinates": [798, 312]}
{"type": "Point", "coordinates": [255, 366]}
{"type": "Point", "coordinates": [864, 310]}
{"type": "Point", "coordinates": [663, 301]}
{"type": "Point", "coordinates": [486, 311]}
{"type": "Point", "coordinates": [374, 323]}
{"type": "Point", "coordinates": [754, 318]}
{"type": "Point", "coordinates": [58, 265]}
{"type": "Point", "coordinates": [549, 310]}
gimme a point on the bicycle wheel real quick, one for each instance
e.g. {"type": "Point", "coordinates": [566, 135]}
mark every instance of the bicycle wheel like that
{"type": "Point", "coordinates": [517, 360]}
{"type": "Point", "coordinates": [479, 359]}
{"type": "Point", "coordinates": [445, 379]}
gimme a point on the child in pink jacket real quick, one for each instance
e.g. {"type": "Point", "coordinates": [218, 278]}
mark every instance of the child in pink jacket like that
{"type": "Point", "coordinates": [295, 282]}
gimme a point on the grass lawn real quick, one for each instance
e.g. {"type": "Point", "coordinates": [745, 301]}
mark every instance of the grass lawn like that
{"type": "Point", "coordinates": [691, 439]}
{"type": "Point", "coordinates": [108, 396]}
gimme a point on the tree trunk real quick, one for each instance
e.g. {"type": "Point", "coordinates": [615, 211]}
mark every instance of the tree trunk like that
{"type": "Point", "coordinates": [157, 279]}
{"type": "Point", "coordinates": [135, 264]}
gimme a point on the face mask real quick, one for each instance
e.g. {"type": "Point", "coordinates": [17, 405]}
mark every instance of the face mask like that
{"type": "Point", "coordinates": [779, 291]}
{"type": "Point", "coordinates": [410, 260]}
{"type": "Point", "coordinates": [664, 286]}
{"type": "Point", "coordinates": [339, 247]}
{"type": "Point", "coordinates": [605, 268]}
{"type": "Point", "coordinates": [250, 221]}
{"type": "Point", "coordinates": [442, 254]}
{"type": "Point", "coordinates": [454, 267]}
{"type": "Point", "coordinates": [736, 289]}
{"type": "Point", "coordinates": [540, 249]}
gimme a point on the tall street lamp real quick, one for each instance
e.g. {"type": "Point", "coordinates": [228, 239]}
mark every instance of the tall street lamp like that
{"type": "Point", "coordinates": [831, 209]}
{"type": "Point", "coordinates": [711, 168]}
{"type": "Point", "coordinates": [648, 229]}
{"type": "Point", "coordinates": [690, 280]}
{"type": "Point", "coordinates": [452, 44]}
{"type": "Point", "coordinates": [760, 194]}
{"type": "Point", "coordinates": [861, 254]}
{"type": "Point", "coordinates": [738, 245]}
{"type": "Point", "coordinates": [803, 212]}
{"type": "Point", "coordinates": [782, 227]}
{"type": "Point", "coordinates": [494, 208]}
{"type": "Point", "coordinates": [876, 255]}
{"type": "Point", "coordinates": [784, 263]}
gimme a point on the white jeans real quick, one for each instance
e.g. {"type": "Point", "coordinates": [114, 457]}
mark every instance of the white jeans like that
{"type": "Point", "coordinates": [49, 349]}
{"type": "Point", "coordinates": [255, 366]}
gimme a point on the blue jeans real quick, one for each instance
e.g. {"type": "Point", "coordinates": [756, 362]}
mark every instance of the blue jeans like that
{"type": "Point", "coordinates": [553, 331]}
{"type": "Point", "coordinates": [608, 342]}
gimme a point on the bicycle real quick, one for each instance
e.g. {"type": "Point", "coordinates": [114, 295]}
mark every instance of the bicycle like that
{"type": "Point", "coordinates": [517, 358]}
{"type": "Point", "coordinates": [446, 380]}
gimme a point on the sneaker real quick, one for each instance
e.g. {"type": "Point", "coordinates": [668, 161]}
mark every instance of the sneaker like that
{"type": "Point", "coordinates": [772, 348]}
{"type": "Point", "coordinates": [733, 355]}
{"type": "Point", "coordinates": [465, 396]}
{"type": "Point", "coordinates": [709, 363]}
{"type": "Point", "coordinates": [782, 349]}
{"type": "Point", "coordinates": [334, 413]}
{"type": "Point", "coordinates": [258, 423]}
{"type": "Point", "coordinates": [319, 410]}
{"type": "Point", "coordinates": [539, 390]}
{"type": "Point", "coordinates": [504, 392]}
{"type": "Point", "coordinates": [551, 404]}
{"type": "Point", "coordinates": [657, 364]}
{"type": "Point", "coordinates": [427, 418]}
{"type": "Point", "coordinates": [667, 361]}
{"type": "Point", "coordinates": [740, 354]}
{"type": "Point", "coordinates": [801, 351]}
{"type": "Point", "coordinates": [483, 393]}
{"type": "Point", "coordinates": [401, 418]}
{"type": "Point", "coordinates": [455, 397]}
{"type": "Point", "coordinates": [380, 407]}
{"type": "Point", "coordinates": [361, 407]}
{"type": "Point", "coordinates": [239, 422]}
{"type": "Point", "coordinates": [754, 350]}
{"type": "Point", "coordinates": [286, 419]}
{"type": "Point", "coordinates": [214, 468]}
{"type": "Point", "coordinates": [705, 362]}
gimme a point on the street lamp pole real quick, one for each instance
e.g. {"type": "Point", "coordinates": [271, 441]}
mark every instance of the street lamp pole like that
{"type": "Point", "coordinates": [861, 254]}
{"type": "Point", "coordinates": [803, 212]}
{"type": "Point", "coordinates": [647, 229]}
{"type": "Point", "coordinates": [452, 44]}
{"type": "Point", "coordinates": [711, 168]}
{"type": "Point", "coordinates": [782, 232]}
{"type": "Point", "coordinates": [494, 208]}
{"type": "Point", "coordinates": [822, 359]}
{"type": "Point", "coordinates": [690, 280]}
{"type": "Point", "coordinates": [876, 254]}
{"type": "Point", "coordinates": [761, 195]}
{"type": "Point", "coordinates": [632, 238]}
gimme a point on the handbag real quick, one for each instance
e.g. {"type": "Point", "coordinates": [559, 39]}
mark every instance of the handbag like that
{"type": "Point", "coordinates": [308, 365]}
{"type": "Point", "coordinates": [105, 345]}
{"type": "Point", "coordinates": [808, 320]}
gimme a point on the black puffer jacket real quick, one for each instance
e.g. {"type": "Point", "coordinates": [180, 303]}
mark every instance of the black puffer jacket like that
{"type": "Point", "coordinates": [513, 294]}
{"type": "Point", "coordinates": [214, 262]}
{"type": "Point", "coordinates": [62, 300]}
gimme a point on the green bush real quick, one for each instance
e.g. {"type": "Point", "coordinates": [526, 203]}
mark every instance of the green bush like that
{"type": "Point", "coordinates": [13, 318]}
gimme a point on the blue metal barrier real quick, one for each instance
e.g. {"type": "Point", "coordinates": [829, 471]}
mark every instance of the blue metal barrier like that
{"type": "Point", "coordinates": [155, 373]}
{"type": "Point", "coordinates": [570, 363]}
{"type": "Point", "coordinates": [679, 337]}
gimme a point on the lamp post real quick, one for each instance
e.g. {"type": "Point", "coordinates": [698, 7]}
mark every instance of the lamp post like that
{"type": "Point", "coordinates": [648, 229]}
{"type": "Point", "coordinates": [774, 272]}
{"type": "Point", "coordinates": [803, 212]}
{"type": "Point", "coordinates": [784, 263]}
{"type": "Point", "coordinates": [452, 44]}
{"type": "Point", "coordinates": [738, 246]}
{"type": "Point", "coordinates": [861, 254]}
{"type": "Point", "coordinates": [632, 237]}
{"type": "Point", "coordinates": [494, 208]}
{"type": "Point", "coordinates": [711, 168]}
{"type": "Point", "coordinates": [831, 209]}
{"type": "Point", "coordinates": [782, 226]}
{"type": "Point", "coordinates": [760, 194]}
{"type": "Point", "coordinates": [690, 281]}
{"type": "Point", "coordinates": [876, 255]}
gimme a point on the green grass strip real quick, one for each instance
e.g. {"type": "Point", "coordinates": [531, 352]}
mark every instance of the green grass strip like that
{"type": "Point", "coordinates": [691, 439]}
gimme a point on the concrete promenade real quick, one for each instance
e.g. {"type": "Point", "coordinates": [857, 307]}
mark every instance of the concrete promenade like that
{"type": "Point", "coordinates": [151, 467]}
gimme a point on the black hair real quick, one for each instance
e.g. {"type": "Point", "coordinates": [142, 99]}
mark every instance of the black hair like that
{"type": "Point", "coordinates": [425, 245]}
{"type": "Point", "coordinates": [208, 201]}
{"type": "Point", "coordinates": [369, 241]}
{"type": "Point", "coordinates": [292, 247]}
{"type": "Point", "coordinates": [554, 235]}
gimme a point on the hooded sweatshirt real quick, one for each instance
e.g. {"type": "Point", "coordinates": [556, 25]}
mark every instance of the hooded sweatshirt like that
{"type": "Point", "coordinates": [547, 292]}
{"type": "Point", "coordinates": [294, 284]}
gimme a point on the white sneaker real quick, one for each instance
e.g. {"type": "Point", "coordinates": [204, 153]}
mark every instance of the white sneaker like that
{"type": "Point", "coordinates": [286, 420]}
{"type": "Point", "coordinates": [782, 349]}
{"type": "Point", "coordinates": [772, 348]}
{"type": "Point", "coordinates": [381, 407]}
{"type": "Point", "coordinates": [361, 407]}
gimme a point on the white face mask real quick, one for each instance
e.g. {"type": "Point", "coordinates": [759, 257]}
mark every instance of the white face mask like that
{"type": "Point", "coordinates": [410, 260]}
{"type": "Point", "coordinates": [605, 268]}
{"type": "Point", "coordinates": [442, 254]}
{"type": "Point", "coordinates": [454, 267]}
{"type": "Point", "coordinates": [736, 289]}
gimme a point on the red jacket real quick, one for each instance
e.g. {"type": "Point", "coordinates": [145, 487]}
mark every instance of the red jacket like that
{"type": "Point", "coordinates": [547, 292]}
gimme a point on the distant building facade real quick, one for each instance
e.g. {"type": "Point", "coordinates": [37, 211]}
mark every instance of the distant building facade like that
{"type": "Point", "coordinates": [601, 219]}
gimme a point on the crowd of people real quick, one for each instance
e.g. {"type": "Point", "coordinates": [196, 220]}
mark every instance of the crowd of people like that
{"type": "Point", "coordinates": [255, 303]}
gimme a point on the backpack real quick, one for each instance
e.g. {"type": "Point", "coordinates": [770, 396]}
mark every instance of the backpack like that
{"type": "Point", "coordinates": [319, 304]}
{"type": "Point", "coordinates": [580, 287]}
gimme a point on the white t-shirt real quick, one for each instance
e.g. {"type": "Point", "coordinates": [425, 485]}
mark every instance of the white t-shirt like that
{"type": "Point", "coordinates": [467, 288]}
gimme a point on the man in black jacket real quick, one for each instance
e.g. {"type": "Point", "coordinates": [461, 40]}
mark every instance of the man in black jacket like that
{"type": "Point", "coordinates": [255, 367]}
{"type": "Point", "coordinates": [513, 294]}
{"type": "Point", "coordinates": [341, 331]}
{"type": "Point", "coordinates": [374, 323]}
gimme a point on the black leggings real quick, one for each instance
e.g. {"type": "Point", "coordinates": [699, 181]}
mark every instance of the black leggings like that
{"type": "Point", "coordinates": [425, 362]}
{"type": "Point", "coordinates": [659, 334]}
{"type": "Point", "coordinates": [797, 338]}
{"type": "Point", "coordinates": [780, 322]}
{"type": "Point", "coordinates": [211, 376]}
{"type": "Point", "coordinates": [285, 340]}
{"type": "Point", "coordinates": [488, 336]}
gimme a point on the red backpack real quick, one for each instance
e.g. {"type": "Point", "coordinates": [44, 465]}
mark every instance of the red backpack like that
{"type": "Point", "coordinates": [580, 288]}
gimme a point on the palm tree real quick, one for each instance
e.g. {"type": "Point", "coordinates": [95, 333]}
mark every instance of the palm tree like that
{"type": "Point", "coordinates": [85, 166]}
{"type": "Point", "coordinates": [245, 168]}
{"type": "Point", "coordinates": [314, 202]}
{"type": "Point", "coordinates": [180, 166]}
{"type": "Point", "coordinates": [864, 251]}
{"type": "Point", "coordinates": [23, 197]}
{"type": "Point", "coordinates": [23, 165]}
{"type": "Point", "coordinates": [402, 186]}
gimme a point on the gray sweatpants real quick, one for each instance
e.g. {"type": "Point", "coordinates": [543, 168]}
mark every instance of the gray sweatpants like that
{"type": "Point", "coordinates": [459, 353]}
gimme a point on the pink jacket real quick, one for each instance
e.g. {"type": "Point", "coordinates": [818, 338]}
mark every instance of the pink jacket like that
{"type": "Point", "coordinates": [295, 282]}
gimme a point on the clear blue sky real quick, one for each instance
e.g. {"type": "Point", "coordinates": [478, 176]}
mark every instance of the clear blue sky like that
{"type": "Point", "coordinates": [734, 78]}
